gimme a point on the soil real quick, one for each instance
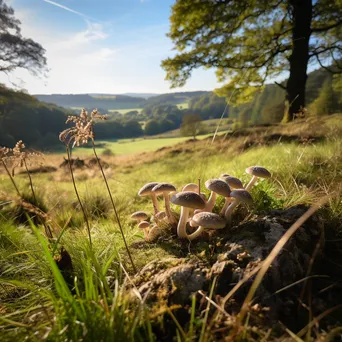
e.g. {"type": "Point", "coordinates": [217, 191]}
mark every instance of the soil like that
{"type": "Point", "coordinates": [282, 298]}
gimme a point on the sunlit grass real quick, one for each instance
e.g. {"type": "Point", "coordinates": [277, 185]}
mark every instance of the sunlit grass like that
{"type": "Point", "coordinates": [31, 302]}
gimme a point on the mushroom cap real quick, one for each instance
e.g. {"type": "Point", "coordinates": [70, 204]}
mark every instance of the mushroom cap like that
{"type": "Point", "coordinates": [143, 225]}
{"type": "Point", "coordinates": [188, 199]}
{"type": "Point", "coordinates": [258, 171]}
{"type": "Point", "coordinates": [233, 182]}
{"type": "Point", "coordinates": [190, 187]}
{"type": "Point", "coordinates": [147, 189]}
{"type": "Point", "coordinates": [160, 215]}
{"type": "Point", "coordinates": [209, 220]}
{"type": "Point", "coordinates": [139, 215]}
{"type": "Point", "coordinates": [218, 186]}
{"type": "Point", "coordinates": [242, 195]}
{"type": "Point", "coordinates": [224, 175]}
{"type": "Point", "coordinates": [163, 187]}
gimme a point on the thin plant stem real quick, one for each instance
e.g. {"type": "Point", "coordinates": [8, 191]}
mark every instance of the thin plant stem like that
{"type": "Point", "coordinates": [78, 196]}
{"type": "Point", "coordinates": [11, 178]}
{"type": "Point", "coordinates": [48, 231]}
{"type": "Point", "coordinates": [114, 206]}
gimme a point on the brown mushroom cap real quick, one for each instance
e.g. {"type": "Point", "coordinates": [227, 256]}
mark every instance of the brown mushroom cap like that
{"type": "Point", "coordinates": [163, 187]}
{"type": "Point", "coordinates": [143, 225]}
{"type": "Point", "coordinates": [188, 199]}
{"type": "Point", "coordinates": [242, 196]}
{"type": "Point", "coordinates": [218, 186]}
{"type": "Point", "coordinates": [209, 220]}
{"type": "Point", "coordinates": [190, 187]}
{"type": "Point", "coordinates": [258, 171]}
{"type": "Point", "coordinates": [139, 215]}
{"type": "Point", "coordinates": [147, 189]}
{"type": "Point", "coordinates": [160, 215]}
{"type": "Point", "coordinates": [223, 175]}
{"type": "Point", "coordinates": [233, 182]}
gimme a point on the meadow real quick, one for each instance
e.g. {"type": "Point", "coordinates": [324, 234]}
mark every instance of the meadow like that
{"type": "Point", "coordinates": [137, 145]}
{"type": "Point", "coordinates": [62, 289]}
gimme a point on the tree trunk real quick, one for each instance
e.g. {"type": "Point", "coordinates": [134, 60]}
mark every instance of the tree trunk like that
{"type": "Point", "coordinates": [295, 88]}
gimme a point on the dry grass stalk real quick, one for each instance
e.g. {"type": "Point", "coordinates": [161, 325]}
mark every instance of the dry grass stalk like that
{"type": "Point", "coordinates": [78, 135]}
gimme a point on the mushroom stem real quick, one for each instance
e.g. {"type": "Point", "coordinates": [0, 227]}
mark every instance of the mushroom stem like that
{"type": "Point", "coordinates": [229, 211]}
{"type": "Point", "coordinates": [251, 183]}
{"type": "Point", "coordinates": [196, 233]}
{"type": "Point", "coordinates": [225, 206]}
{"type": "Point", "coordinates": [145, 233]}
{"type": "Point", "coordinates": [211, 202]}
{"type": "Point", "coordinates": [155, 203]}
{"type": "Point", "coordinates": [181, 228]}
{"type": "Point", "coordinates": [168, 209]}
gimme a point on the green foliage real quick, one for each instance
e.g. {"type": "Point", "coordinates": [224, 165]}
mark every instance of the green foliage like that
{"type": "Point", "coordinates": [249, 43]}
{"type": "Point", "coordinates": [326, 103]}
{"type": "Point", "coordinates": [22, 117]}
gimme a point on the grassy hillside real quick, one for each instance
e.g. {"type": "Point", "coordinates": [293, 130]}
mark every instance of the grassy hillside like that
{"type": "Point", "coordinates": [305, 159]}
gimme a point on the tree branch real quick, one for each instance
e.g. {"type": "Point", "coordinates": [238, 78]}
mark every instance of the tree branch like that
{"type": "Point", "coordinates": [326, 28]}
{"type": "Point", "coordinates": [280, 85]}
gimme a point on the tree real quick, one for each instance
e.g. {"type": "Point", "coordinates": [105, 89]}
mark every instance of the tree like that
{"type": "Point", "coordinates": [191, 125]}
{"type": "Point", "coordinates": [249, 42]}
{"type": "Point", "coordinates": [17, 51]}
{"type": "Point", "coordinates": [325, 103]}
{"type": "Point", "coordinates": [152, 127]}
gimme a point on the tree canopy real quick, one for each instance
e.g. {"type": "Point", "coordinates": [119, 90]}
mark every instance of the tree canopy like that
{"type": "Point", "coordinates": [15, 50]}
{"type": "Point", "coordinates": [250, 42]}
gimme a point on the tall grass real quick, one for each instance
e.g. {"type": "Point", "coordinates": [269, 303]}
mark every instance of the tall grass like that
{"type": "Point", "coordinates": [38, 303]}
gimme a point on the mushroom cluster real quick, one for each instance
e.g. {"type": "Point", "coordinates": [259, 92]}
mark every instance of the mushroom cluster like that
{"type": "Point", "coordinates": [196, 210]}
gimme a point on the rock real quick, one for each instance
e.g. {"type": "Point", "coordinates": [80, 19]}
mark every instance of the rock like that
{"type": "Point", "coordinates": [171, 280]}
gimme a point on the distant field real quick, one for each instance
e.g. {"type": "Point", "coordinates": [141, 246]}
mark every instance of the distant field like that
{"type": "Point", "coordinates": [125, 111]}
{"type": "Point", "coordinates": [184, 105]}
{"type": "Point", "coordinates": [130, 146]}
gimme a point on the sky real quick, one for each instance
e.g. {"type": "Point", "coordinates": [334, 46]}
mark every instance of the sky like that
{"type": "Point", "coordinates": [100, 46]}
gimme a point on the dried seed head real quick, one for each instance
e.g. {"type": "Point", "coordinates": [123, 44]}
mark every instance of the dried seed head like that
{"type": "Point", "coordinates": [17, 157]}
{"type": "Point", "coordinates": [83, 131]}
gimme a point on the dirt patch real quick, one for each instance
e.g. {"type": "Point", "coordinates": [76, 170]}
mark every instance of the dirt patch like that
{"type": "Point", "coordinates": [40, 169]}
{"type": "Point", "coordinates": [234, 253]}
{"type": "Point", "coordinates": [92, 163]}
{"type": "Point", "coordinates": [75, 163]}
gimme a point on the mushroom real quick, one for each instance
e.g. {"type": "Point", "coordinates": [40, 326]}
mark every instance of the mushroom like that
{"type": "Point", "coordinates": [154, 232]}
{"type": "Point", "coordinates": [208, 220]}
{"type": "Point", "coordinates": [240, 195]}
{"type": "Point", "coordinates": [187, 200]}
{"type": "Point", "coordinates": [165, 189]}
{"type": "Point", "coordinates": [256, 172]}
{"type": "Point", "coordinates": [191, 187]}
{"type": "Point", "coordinates": [144, 225]}
{"type": "Point", "coordinates": [139, 216]}
{"type": "Point", "coordinates": [234, 183]}
{"type": "Point", "coordinates": [146, 190]}
{"type": "Point", "coordinates": [160, 216]}
{"type": "Point", "coordinates": [216, 186]}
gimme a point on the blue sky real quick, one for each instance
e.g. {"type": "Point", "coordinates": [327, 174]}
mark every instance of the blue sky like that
{"type": "Point", "coordinates": [100, 46]}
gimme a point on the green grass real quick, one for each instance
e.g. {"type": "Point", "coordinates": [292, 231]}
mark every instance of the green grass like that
{"type": "Point", "coordinates": [36, 302]}
{"type": "Point", "coordinates": [138, 145]}
{"type": "Point", "coordinates": [184, 105]}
